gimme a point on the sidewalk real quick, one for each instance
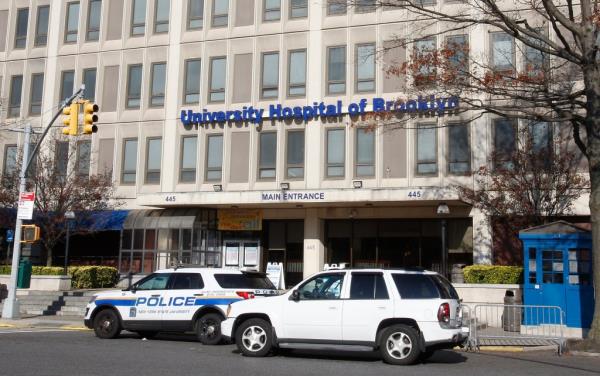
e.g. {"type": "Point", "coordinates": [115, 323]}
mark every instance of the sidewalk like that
{"type": "Point", "coordinates": [46, 322]}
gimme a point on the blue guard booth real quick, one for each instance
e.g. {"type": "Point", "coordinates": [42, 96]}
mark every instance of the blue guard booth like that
{"type": "Point", "coordinates": [558, 272]}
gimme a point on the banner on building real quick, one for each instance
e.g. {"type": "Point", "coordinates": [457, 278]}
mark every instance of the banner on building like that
{"type": "Point", "coordinates": [240, 219]}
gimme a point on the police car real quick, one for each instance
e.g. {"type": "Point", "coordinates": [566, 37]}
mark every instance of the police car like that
{"type": "Point", "coordinates": [175, 300]}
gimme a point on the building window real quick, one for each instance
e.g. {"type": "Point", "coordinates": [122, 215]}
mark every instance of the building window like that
{"type": "Point", "coordinates": [458, 59]}
{"type": "Point", "coordinates": [37, 89]}
{"type": "Point", "coordinates": [503, 52]}
{"type": "Point", "coordinates": [270, 75]}
{"type": "Point", "coordinates": [153, 159]}
{"type": "Point", "coordinates": [134, 86]}
{"type": "Point", "coordinates": [93, 21]}
{"type": "Point", "coordinates": [72, 22]}
{"type": "Point", "coordinates": [336, 7]}
{"type": "Point", "coordinates": [535, 61]}
{"type": "Point", "coordinates": [427, 149]}
{"type": "Point", "coordinates": [365, 152]}
{"type": "Point", "coordinates": [365, 68]}
{"type": "Point", "coordinates": [505, 143]}
{"type": "Point", "coordinates": [138, 18]}
{"type": "Point", "coordinates": [336, 153]}
{"type": "Point", "coordinates": [84, 150]}
{"type": "Point", "coordinates": [189, 152]}
{"type": "Point", "coordinates": [16, 89]}
{"type": "Point", "coordinates": [268, 155]}
{"type": "Point", "coordinates": [89, 80]}
{"type": "Point", "coordinates": [336, 70]}
{"type": "Point", "coordinates": [541, 138]}
{"type": "Point", "coordinates": [21, 31]}
{"type": "Point", "coordinates": [41, 28]}
{"type": "Point", "coordinates": [271, 10]}
{"type": "Point", "coordinates": [129, 161]}
{"type": "Point", "coordinates": [220, 13]}
{"type": "Point", "coordinates": [214, 157]}
{"type": "Point", "coordinates": [191, 92]}
{"type": "Point", "coordinates": [195, 14]}
{"type": "Point", "coordinates": [61, 159]}
{"type": "Point", "coordinates": [298, 8]}
{"type": "Point", "coordinates": [365, 6]}
{"type": "Point", "coordinates": [161, 16]}
{"type": "Point", "coordinates": [218, 66]}
{"type": "Point", "coordinates": [10, 161]}
{"type": "Point", "coordinates": [423, 53]}
{"type": "Point", "coordinates": [67, 83]}
{"type": "Point", "coordinates": [157, 85]}
{"type": "Point", "coordinates": [459, 150]}
{"type": "Point", "coordinates": [297, 74]}
{"type": "Point", "coordinates": [295, 155]}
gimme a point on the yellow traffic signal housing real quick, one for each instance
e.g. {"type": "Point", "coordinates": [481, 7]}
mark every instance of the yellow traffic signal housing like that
{"type": "Point", "coordinates": [71, 120]}
{"type": "Point", "coordinates": [89, 117]}
{"type": "Point", "coordinates": [31, 233]}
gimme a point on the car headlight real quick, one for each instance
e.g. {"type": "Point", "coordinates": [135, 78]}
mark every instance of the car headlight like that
{"type": "Point", "coordinates": [92, 299]}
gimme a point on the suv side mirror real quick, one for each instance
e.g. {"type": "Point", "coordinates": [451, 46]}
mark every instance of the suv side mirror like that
{"type": "Point", "coordinates": [295, 295]}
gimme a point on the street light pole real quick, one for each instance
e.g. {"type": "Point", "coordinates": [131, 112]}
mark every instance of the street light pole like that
{"type": "Point", "coordinates": [69, 216]}
{"type": "Point", "coordinates": [11, 304]}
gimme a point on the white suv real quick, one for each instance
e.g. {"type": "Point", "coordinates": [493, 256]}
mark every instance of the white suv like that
{"type": "Point", "coordinates": [406, 314]}
{"type": "Point", "coordinates": [175, 300]}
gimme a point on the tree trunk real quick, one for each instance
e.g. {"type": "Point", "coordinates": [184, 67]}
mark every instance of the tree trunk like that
{"type": "Point", "coordinates": [594, 166]}
{"type": "Point", "coordinates": [48, 255]}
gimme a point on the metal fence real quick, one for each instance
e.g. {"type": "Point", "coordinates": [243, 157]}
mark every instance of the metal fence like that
{"type": "Point", "coordinates": [516, 325]}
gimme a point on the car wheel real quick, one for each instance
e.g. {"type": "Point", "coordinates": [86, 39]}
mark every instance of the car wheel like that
{"type": "Point", "coordinates": [254, 337]}
{"type": "Point", "coordinates": [209, 329]}
{"type": "Point", "coordinates": [400, 345]}
{"type": "Point", "coordinates": [147, 334]}
{"type": "Point", "coordinates": [106, 324]}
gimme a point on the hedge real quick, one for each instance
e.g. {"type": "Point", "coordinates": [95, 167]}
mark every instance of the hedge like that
{"type": "Point", "coordinates": [493, 274]}
{"type": "Point", "coordinates": [82, 277]}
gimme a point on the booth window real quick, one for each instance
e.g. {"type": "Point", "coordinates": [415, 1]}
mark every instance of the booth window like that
{"type": "Point", "coordinates": [552, 266]}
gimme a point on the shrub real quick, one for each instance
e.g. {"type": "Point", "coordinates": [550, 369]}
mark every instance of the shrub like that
{"type": "Point", "coordinates": [493, 274]}
{"type": "Point", "coordinates": [89, 277]}
{"type": "Point", "coordinates": [82, 277]}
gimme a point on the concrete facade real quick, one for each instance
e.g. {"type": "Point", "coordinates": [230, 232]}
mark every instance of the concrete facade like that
{"type": "Point", "coordinates": [395, 189]}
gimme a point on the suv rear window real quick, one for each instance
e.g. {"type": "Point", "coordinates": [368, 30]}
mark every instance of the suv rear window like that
{"type": "Point", "coordinates": [447, 291]}
{"type": "Point", "coordinates": [416, 286]}
{"type": "Point", "coordinates": [244, 281]}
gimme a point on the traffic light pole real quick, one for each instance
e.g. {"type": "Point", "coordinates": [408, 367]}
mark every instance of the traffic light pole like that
{"type": "Point", "coordinates": [11, 304]}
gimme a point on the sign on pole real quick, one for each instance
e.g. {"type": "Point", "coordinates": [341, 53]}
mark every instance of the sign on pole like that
{"type": "Point", "coordinates": [26, 201]}
{"type": "Point", "coordinates": [10, 236]}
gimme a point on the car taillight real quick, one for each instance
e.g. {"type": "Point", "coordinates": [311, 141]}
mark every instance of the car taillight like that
{"type": "Point", "coordinates": [444, 313]}
{"type": "Point", "coordinates": [245, 294]}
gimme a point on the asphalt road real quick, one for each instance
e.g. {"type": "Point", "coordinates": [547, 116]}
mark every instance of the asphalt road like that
{"type": "Point", "coordinates": [51, 352]}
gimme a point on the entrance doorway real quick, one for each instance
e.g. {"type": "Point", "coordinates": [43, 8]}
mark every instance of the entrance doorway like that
{"type": "Point", "coordinates": [285, 244]}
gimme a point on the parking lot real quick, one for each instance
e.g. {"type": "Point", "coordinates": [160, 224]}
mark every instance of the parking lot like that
{"type": "Point", "coordinates": [49, 351]}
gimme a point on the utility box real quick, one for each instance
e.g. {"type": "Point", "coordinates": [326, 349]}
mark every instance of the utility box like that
{"type": "Point", "coordinates": [24, 276]}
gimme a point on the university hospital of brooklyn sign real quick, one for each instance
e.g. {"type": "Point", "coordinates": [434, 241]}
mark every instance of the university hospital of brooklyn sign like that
{"type": "Point", "coordinates": [249, 114]}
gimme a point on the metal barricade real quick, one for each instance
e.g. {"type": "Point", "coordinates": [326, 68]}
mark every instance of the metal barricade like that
{"type": "Point", "coordinates": [516, 325]}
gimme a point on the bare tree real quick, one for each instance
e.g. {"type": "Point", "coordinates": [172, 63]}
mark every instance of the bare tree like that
{"type": "Point", "coordinates": [551, 73]}
{"type": "Point", "coordinates": [60, 177]}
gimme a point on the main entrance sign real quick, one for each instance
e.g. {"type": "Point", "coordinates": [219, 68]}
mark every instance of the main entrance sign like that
{"type": "Point", "coordinates": [320, 109]}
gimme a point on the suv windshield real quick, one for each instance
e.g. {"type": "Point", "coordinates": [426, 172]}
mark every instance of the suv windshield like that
{"type": "Point", "coordinates": [244, 281]}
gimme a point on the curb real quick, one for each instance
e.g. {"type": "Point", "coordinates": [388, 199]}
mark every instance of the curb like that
{"type": "Point", "coordinates": [584, 353]}
{"type": "Point", "coordinates": [501, 348]}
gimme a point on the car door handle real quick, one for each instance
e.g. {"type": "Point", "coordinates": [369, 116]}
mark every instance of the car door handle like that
{"type": "Point", "coordinates": [198, 294]}
{"type": "Point", "coordinates": [155, 296]}
{"type": "Point", "coordinates": [332, 307]}
{"type": "Point", "coordinates": [381, 307]}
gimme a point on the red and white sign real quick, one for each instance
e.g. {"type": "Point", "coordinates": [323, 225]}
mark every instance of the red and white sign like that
{"type": "Point", "coordinates": [26, 201]}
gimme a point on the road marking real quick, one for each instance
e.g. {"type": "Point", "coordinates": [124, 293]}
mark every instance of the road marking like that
{"type": "Point", "coordinates": [31, 331]}
{"type": "Point", "coordinates": [67, 327]}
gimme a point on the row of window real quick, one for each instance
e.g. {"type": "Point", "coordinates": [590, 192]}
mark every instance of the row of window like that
{"type": "Point", "coordinates": [426, 162]}
{"type": "Point", "coordinates": [195, 17]}
{"type": "Point", "coordinates": [67, 86]}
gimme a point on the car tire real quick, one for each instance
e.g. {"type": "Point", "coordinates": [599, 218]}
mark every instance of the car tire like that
{"type": "Point", "coordinates": [148, 334]}
{"type": "Point", "coordinates": [254, 338]}
{"type": "Point", "coordinates": [208, 329]}
{"type": "Point", "coordinates": [399, 344]}
{"type": "Point", "coordinates": [106, 324]}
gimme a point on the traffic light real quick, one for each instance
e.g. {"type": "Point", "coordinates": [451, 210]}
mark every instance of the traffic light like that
{"type": "Point", "coordinates": [71, 120]}
{"type": "Point", "coordinates": [31, 233]}
{"type": "Point", "coordinates": [89, 117]}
